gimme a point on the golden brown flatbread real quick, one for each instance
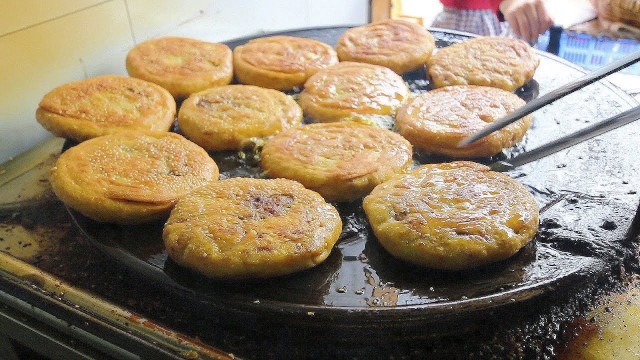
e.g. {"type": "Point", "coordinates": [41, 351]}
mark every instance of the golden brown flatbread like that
{"type": "Point", "coordinates": [281, 62]}
{"type": "Point", "coordinates": [104, 105]}
{"type": "Point", "coordinates": [130, 177]}
{"type": "Point", "coordinates": [342, 161]}
{"type": "Point", "coordinates": [351, 91]}
{"type": "Point", "coordinates": [251, 228]}
{"type": "Point", "coordinates": [400, 45]}
{"type": "Point", "coordinates": [181, 65]}
{"type": "Point", "coordinates": [436, 121]}
{"type": "Point", "coordinates": [230, 117]}
{"type": "Point", "coordinates": [452, 216]}
{"type": "Point", "coordinates": [496, 61]}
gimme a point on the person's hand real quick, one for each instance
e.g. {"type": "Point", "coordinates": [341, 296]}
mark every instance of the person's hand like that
{"type": "Point", "coordinates": [527, 18]}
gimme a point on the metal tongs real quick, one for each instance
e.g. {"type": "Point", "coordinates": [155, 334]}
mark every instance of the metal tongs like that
{"type": "Point", "coordinates": [571, 139]}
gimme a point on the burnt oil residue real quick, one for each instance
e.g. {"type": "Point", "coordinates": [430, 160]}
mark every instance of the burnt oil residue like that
{"type": "Point", "coordinates": [29, 227]}
{"type": "Point", "coordinates": [588, 226]}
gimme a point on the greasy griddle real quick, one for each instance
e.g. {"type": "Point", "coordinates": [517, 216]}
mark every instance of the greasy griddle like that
{"type": "Point", "coordinates": [587, 195]}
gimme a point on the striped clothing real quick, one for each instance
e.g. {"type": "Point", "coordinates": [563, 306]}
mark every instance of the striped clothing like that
{"type": "Point", "coordinates": [476, 21]}
{"type": "Point", "coordinates": [472, 4]}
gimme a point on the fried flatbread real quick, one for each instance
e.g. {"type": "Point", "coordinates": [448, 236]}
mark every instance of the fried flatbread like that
{"type": "Point", "coordinates": [229, 117]}
{"type": "Point", "coordinates": [399, 45]}
{"type": "Point", "coordinates": [130, 177]}
{"type": "Point", "coordinates": [452, 216]}
{"type": "Point", "coordinates": [251, 228]}
{"type": "Point", "coordinates": [496, 61]}
{"type": "Point", "coordinates": [281, 62]}
{"type": "Point", "coordinates": [342, 161]}
{"type": "Point", "coordinates": [351, 91]}
{"type": "Point", "coordinates": [104, 105]}
{"type": "Point", "coordinates": [181, 65]}
{"type": "Point", "coordinates": [436, 121]}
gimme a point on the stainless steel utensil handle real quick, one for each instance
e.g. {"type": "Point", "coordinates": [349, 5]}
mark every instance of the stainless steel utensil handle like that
{"type": "Point", "coordinates": [589, 132]}
{"type": "Point", "coordinates": [552, 96]}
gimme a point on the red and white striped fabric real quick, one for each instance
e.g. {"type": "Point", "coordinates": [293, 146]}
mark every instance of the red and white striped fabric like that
{"type": "Point", "coordinates": [477, 21]}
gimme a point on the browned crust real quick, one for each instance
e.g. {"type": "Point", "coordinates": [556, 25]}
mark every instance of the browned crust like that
{"type": "Point", "coordinates": [104, 105]}
{"type": "Point", "coordinates": [438, 120]}
{"type": "Point", "coordinates": [452, 216]}
{"type": "Point", "coordinates": [342, 161]}
{"type": "Point", "coordinates": [501, 62]}
{"type": "Point", "coordinates": [281, 62]}
{"type": "Point", "coordinates": [181, 65]}
{"type": "Point", "coordinates": [399, 45]}
{"type": "Point", "coordinates": [251, 228]}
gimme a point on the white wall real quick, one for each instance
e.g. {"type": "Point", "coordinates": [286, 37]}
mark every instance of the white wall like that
{"type": "Point", "coordinates": [46, 43]}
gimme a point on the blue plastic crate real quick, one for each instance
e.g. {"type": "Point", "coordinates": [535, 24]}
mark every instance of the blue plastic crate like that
{"type": "Point", "coordinates": [592, 52]}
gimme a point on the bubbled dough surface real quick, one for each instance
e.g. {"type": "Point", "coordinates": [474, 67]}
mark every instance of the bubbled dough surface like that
{"type": "Point", "coordinates": [227, 117]}
{"type": "Point", "coordinates": [104, 105]}
{"type": "Point", "coordinates": [281, 62]}
{"type": "Point", "coordinates": [399, 45]}
{"type": "Point", "coordinates": [501, 62]}
{"type": "Point", "coordinates": [452, 216]}
{"type": "Point", "coordinates": [438, 120]}
{"type": "Point", "coordinates": [353, 91]}
{"type": "Point", "coordinates": [342, 161]}
{"type": "Point", "coordinates": [130, 177]}
{"type": "Point", "coordinates": [245, 228]}
{"type": "Point", "coordinates": [181, 65]}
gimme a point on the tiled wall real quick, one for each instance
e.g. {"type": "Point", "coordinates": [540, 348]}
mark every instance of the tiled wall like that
{"type": "Point", "coordinates": [46, 43]}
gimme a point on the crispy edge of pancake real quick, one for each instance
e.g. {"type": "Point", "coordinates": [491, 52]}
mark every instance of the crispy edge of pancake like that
{"type": "Point", "coordinates": [449, 231]}
{"type": "Point", "coordinates": [192, 80]}
{"type": "Point", "coordinates": [223, 125]}
{"type": "Point", "coordinates": [309, 154]}
{"type": "Point", "coordinates": [242, 228]}
{"type": "Point", "coordinates": [250, 74]}
{"type": "Point", "coordinates": [55, 118]}
{"type": "Point", "coordinates": [123, 203]}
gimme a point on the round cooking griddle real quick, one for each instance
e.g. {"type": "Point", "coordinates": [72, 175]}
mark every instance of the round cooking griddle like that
{"type": "Point", "coordinates": [587, 195]}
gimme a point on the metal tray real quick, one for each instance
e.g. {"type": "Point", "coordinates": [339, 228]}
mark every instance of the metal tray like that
{"type": "Point", "coordinates": [587, 195]}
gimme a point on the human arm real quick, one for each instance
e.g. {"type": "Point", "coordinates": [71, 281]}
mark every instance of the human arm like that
{"type": "Point", "coordinates": [527, 18]}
